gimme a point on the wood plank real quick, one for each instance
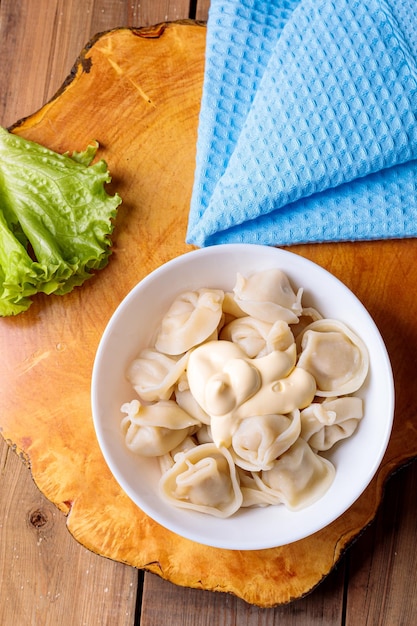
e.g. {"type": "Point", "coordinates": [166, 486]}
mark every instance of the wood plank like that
{"type": "Point", "coordinates": [46, 577]}
{"type": "Point", "coordinates": [202, 10]}
{"type": "Point", "coordinates": [163, 11]}
{"type": "Point", "coordinates": [39, 44]}
{"type": "Point", "coordinates": [192, 607]}
{"type": "Point", "coordinates": [383, 562]}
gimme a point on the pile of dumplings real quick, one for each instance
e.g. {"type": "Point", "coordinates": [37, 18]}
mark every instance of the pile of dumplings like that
{"type": "Point", "coordinates": [241, 393]}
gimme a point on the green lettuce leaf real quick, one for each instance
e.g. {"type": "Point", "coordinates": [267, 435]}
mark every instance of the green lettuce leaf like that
{"type": "Point", "coordinates": [56, 220]}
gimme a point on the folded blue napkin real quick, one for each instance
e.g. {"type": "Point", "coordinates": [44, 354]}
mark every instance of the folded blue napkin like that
{"type": "Point", "coordinates": [307, 129]}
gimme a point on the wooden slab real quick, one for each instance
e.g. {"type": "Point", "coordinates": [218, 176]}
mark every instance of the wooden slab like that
{"type": "Point", "coordinates": [138, 92]}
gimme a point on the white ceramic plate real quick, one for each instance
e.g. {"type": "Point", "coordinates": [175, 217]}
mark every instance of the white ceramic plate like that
{"type": "Point", "coordinates": [131, 328]}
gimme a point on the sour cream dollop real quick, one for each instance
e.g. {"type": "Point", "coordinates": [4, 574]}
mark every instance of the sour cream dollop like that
{"type": "Point", "coordinates": [229, 386]}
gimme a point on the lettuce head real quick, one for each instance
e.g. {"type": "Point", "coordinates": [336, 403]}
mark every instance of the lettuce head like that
{"type": "Point", "coordinates": [56, 220]}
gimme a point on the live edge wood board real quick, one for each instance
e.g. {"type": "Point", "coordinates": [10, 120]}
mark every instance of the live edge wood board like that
{"type": "Point", "coordinates": [138, 92]}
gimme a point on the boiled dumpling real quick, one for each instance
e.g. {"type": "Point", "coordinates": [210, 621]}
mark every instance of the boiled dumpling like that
{"type": "Point", "coordinates": [252, 494]}
{"type": "Point", "coordinates": [154, 375]}
{"type": "Point", "coordinates": [203, 434]}
{"type": "Point", "coordinates": [188, 403]}
{"type": "Point", "coordinates": [250, 334]}
{"type": "Point", "coordinates": [191, 319]}
{"type": "Point", "coordinates": [307, 316]}
{"type": "Point", "coordinates": [166, 461]}
{"type": "Point", "coordinates": [260, 439]}
{"type": "Point", "coordinates": [230, 307]}
{"type": "Point", "coordinates": [258, 338]}
{"type": "Point", "coordinates": [324, 424]}
{"type": "Point", "coordinates": [203, 479]}
{"type": "Point", "coordinates": [268, 296]}
{"type": "Point", "coordinates": [155, 429]}
{"type": "Point", "coordinates": [298, 478]}
{"type": "Point", "coordinates": [335, 356]}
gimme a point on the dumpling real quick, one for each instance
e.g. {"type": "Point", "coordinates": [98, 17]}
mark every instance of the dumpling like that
{"type": "Point", "coordinates": [268, 296]}
{"type": "Point", "coordinates": [203, 479]}
{"type": "Point", "coordinates": [258, 338]}
{"type": "Point", "coordinates": [231, 309]}
{"type": "Point", "coordinates": [260, 439]}
{"type": "Point", "coordinates": [324, 424]}
{"type": "Point", "coordinates": [298, 478]}
{"type": "Point", "coordinates": [166, 461]}
{"type": "Point", "coordinates": [155, 429]}
{"type": "Point", "coordinates": [335, 356]}
{"type": "Point", "coordinates": [203, 434]}
{"type": "Point", "coordinates": [188, 403]}
{"type": "Point", "coordinates": [307, 316]}
{"type": "Point", "coordinates": [154, 375]}
{"type": "Point", "coordinates": [247, 332]}
{"type": "Point", "coordinates": [252, 494]}
{"type": "Point", "coordinates": [191, 319]}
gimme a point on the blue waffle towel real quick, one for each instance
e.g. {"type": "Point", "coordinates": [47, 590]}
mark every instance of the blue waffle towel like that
{"type": "Point", "coordinates": [307, 129]}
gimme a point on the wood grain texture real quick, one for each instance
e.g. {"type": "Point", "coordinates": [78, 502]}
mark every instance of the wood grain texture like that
{"type": "Point", "coordinates": [384, 563]}
{"type": "Point", "coordinates": [202, 9]}
{"type": "Point", "coordinates": [68, 580]}
{"type": "Point", "coordinates": [153, 81]}
{"type": "Point", "coordinates": [203, 608]}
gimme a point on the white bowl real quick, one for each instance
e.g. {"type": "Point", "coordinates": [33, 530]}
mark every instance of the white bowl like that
{"type": "Point", "coordinates": [131, 328]}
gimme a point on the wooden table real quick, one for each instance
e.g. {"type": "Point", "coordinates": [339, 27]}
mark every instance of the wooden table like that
{"type": "Point", "coordinates": [46, 577]}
